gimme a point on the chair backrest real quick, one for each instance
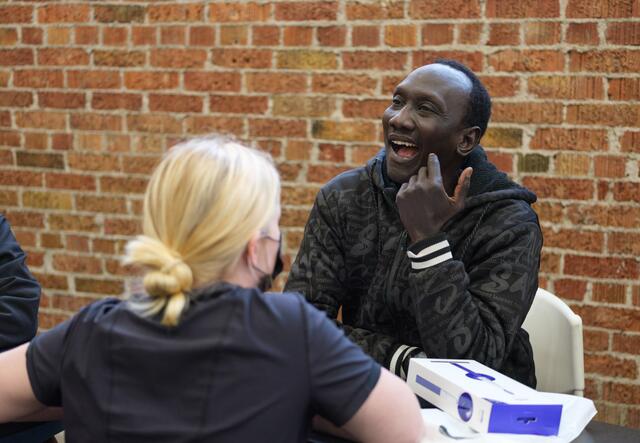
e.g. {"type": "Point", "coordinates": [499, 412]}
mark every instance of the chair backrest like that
{"type": "Point", "coordinates": [556, 338]}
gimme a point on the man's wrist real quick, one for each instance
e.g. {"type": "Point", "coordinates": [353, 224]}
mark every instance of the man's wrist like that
{"type": "Point", "coordinates": [429, 252]}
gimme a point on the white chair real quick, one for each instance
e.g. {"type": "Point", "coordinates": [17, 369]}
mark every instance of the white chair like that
{"type": "Point", "coordinates": [556, 338]}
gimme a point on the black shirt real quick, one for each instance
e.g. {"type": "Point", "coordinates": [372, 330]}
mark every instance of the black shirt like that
{"type": "Point", "coordinates": [241, 366]}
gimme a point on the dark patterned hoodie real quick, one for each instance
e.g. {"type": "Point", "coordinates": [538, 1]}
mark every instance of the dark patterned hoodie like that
{"type": "Point", "coordinates": [470, 304]}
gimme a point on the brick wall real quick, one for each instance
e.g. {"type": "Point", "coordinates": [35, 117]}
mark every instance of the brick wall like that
{"type": "Point", "coordinates": [92, 93]}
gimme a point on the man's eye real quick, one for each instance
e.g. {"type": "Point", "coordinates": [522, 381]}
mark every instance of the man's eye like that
{"type": "Point", "coordinates": [396, 102]}
{"type": "Point", "coordinates": [426, 108]}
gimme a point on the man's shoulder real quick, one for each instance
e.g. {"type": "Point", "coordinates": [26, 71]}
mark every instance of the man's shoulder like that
{"type": "Point", "coordinates": [347, 181]}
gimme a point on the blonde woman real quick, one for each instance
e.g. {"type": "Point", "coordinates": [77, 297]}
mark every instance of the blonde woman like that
{"type": "Point", "coordinates": [205, 355]}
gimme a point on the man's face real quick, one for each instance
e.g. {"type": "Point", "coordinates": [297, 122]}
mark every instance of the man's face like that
{"type": "Point", "coordinates": [426, 115]}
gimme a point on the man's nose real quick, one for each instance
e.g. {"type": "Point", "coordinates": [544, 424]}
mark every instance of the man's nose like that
{"type": "Point", "coordinates": [402, 119]}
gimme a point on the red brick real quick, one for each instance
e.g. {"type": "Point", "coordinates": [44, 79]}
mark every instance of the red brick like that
{"type": "Point", "coordinates": [32, 36]}
{"type": "Point", "coordinates": [212, 81]}
{"type": "Point", "coordinates": [516, 9]}
{"type": "Point", "coordinates": [202, 36]}
{"type": "Point", "coordinates": [77, 13]}
{"type": "Point", "coordinates": [501, 34]}
{"type": "Point", "coordinates": [156, 123]}
{"type": "Point", "coordinates": [70, 181]}
{"type": "Point", "coordinates": [570, 139]}
{"type": "Point", "coordinates": [573, 88]}
{"type": "Point", "coordinates": [239, 12]}
{"type": "Point", "coordinates": [14, 99]}
{"type": "Point", "coordinates": [76, 263]}
{"type": "Point", "coordinates": [140, 164]}
{"type": "Point", "coordinates": [570, 289]}
{"type": "Point", "coordinates": [99, 286]}
{"type": "Point", "coordinates": [602, 267]}
{"type": "Point", "coordinates": [178, 58]}
{"type": "Point", "coordinates": [114, 36]}
{"type": "Point", "coordinates": [144, 35]}
{"type": "Point", "coordinates": [238, 104]}
{"type": "Point", "coordinates": [242, 58]}
{"type": "Point", "coordinates": [97, 203]}
{"type": "Point", "coordinates": [86, 35]}
{"type": "Point", "coordinates": [297, 35]}
{"type": "Point", "coordinates": [13, 57]}
{"type": "Point", "coordinates": [624, 243]}
{"type": "Point", "coordinates": [437, 34]}
{"type": "Point", "coordinates": [277, 128]}
{"type": "Point", "coordinates": [37, 78]}
{"type": "Point", "coordinates": [181, 12]}
{"type": "Point", "coordinates": [298, 196]}
{"type": "Point", "coordinates": [275, 82]}
{"type": "Point", "coordinates": [501, 86]}
{"type": "Point", "coordinates": [302, 106]}
{"type": "Point", "coordinates": [8, 36]}
{"type": "Point", "coordinates": [473, 59]}
{"type": "Point", "coordinates": [16, 14]}
{"type": "Point", "coordinates": [626, 191]}
{"type": "Point", "coordinates": [51, 281]}
{"type": "Point", "coordinates": [375, 10]}
{"type": "Point", "coordinates": [625, 394]}
{"type": "Point", "coordinates": [63, 56]}
{"type": "Point", "coordinates": [96, 122]}
{"type": "Point", "coordinates": [61, 100]}
{"type": "Point", "coordinates": [527, 112]}
{"type": "Point", "coordinates": [610, 366]}
{"type": "Point", "coordinates": [93, 162]}
{"type": "Point", "coordinates": [365, 36]}
{"type": "Point", "coordinates": [371, 108]}
{"type": "Point", "coordinates": [609, 293]}
{"type": "Point", "coordinates": [331, 153]}
{"type": "Point", "coordinates": [560, 188]}
{"type": "Point", "coordinates": [623, 33]}
{"type": "Point", "coordinates": [9, 138]}
{"type": "Point", "coordinates": [153, 80]}
{"type": "Point", "coordinates": [322, 174]}
{"type": "Point", "coordinates": [527, 60]}
{"type": "Point", "coordinates": [209, 124]}
{"type": "Point", "coordinates": [469, 33]}
{"type": "Point", "coordinates": [103, 246]}
{"type": "Point", "coordinates": [626, 343]}
{"type": "Point", "coordinates": [119, 13]}
{"type": "Point", "coordinates": [600, 9]}
{"type": "Point", "coordinates": [41, 119]}
{"type": "Point", "coordinates": [94, 79]}
{"type": "Point", "coordinates": [303, 11]}
{"type": "Point", "coordinates": [39, 160]}
{"type": "Point", "coordinates": [306, 59]}
{"type": "Point", "coordinates": [331, 35]}
{"type": "Point", "coordinates": [122, 226]}
{"type": "Point", "coordinates": [175, 103]}
{"type": "Point", "coordinates": [6, 158]}
{"type": "Point", "coordinates": [234, 35]}
{"type": "Point", "coordinates": [595, 341]}
{"type": "Point", "coordinates": [58, 36]}
{"type": "Point", "coordinates": [575, 240]}
{"type": "Point", "coordinates": [400, 35]}
{"type": "Point", "coordinates": [5, 119]}
{"type": "Point", "coordinates": [36, 140]}
{"type": "Point", "coordinates": [542, 33]}
{"type": "Point", "coordinates": [609, 61]}
{"type": "Point", "coordinates": [430, 9]}
{"type": "Point", "coordinates": [116, 101]}
{"type": "Point", "coordinates": [630, 141]}
{"type": "Point", "coordinates": [381, 60]}
{"type": "Point", "coordinates": [502, 160]}
{"type": "Point", "coordinates": [583, 33]}
{"type": "Point", "coordinates": [8, 198]}
{"type": "Point", "coordinates": [609, 166]}
{"type": "Point", "coordinates": [119, 58]}
{"type": "Point", "coordinates": [344, 130]}
{"type": "Point", "coordinates": [601, 114]}
{"type": "Point", "coordinates": [123, 185]}
{"type": "Point", "coordinates": [25, 219]}
{"type": "Point", "coordinates": [605, 215]}
{"type": "Point", "coordinates": [265, 36]}
{"type": "Point", "coordinates": [624, 89]}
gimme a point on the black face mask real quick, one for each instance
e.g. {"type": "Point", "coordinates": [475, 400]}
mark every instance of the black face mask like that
{"type": "Point", "coordinates": [266, 281]}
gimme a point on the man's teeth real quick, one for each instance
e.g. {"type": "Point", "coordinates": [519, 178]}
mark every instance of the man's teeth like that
{"type": "Point", "coordinates": [407, 144]}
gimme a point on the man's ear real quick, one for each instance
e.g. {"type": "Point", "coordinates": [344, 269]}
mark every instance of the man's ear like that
{"type": "Point", "coordinates": [469, 140]}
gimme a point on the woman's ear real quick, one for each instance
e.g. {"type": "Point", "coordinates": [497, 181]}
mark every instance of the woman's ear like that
{"type": "Point", "coordinates": [251, 252]}
{"type": "Point", "coordinates": [469, 140]}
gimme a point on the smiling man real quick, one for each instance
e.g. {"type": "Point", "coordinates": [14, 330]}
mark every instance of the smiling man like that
{"type": "Point", "coordinates": [428, 249]}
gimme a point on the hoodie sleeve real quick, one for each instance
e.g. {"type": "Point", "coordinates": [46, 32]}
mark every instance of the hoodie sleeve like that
{"type": "Point", "coordinates": [476, 311]}
{"type": "Point", "coordinates": [319, 273]}
{"type": "Point", "coordinates": [19, 292]}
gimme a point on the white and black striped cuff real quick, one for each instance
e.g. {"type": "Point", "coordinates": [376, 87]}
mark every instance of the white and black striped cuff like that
{"type": "Point", "coordinates": [429, 252]}
{"type": "Point", "coordinates": [400, 361]}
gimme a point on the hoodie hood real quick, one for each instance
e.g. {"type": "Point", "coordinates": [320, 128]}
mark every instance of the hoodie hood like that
{"type": "Point", "coordinates": [488, 184]}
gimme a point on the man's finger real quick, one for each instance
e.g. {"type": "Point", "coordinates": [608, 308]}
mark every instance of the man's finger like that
{"type": "Point", "coordinates": [422, 174]}
{"type": "Point", "coordinates": [462, 188]}
{"type": "Point", "coordinates": [434, 168]}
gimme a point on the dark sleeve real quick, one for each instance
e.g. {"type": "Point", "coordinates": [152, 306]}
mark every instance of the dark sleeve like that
{"type": "Point", "coordinates": [341, 375]}
{"type": "Point", "coordinates": [319, 273]}
{"type": "Point", "coordinates": [19, 292]}
{"type": "Point", "coordinates": [475, 312]}
{"type": "Point", "coordinates": [44, 362]}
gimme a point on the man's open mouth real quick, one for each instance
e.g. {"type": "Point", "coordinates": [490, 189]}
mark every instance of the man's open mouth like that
{"type": "Point", "coordinates": [404, 149]}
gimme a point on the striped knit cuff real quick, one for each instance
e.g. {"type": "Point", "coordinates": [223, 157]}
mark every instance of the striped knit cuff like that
{"type": "Point", "coordinates": [429, 252]}
{"type": "Point", "coordinates": [400, 360]}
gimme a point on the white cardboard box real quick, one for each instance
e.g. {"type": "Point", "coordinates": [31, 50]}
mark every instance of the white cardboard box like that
{"type": "Point", "coordinates": [483, 398]}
